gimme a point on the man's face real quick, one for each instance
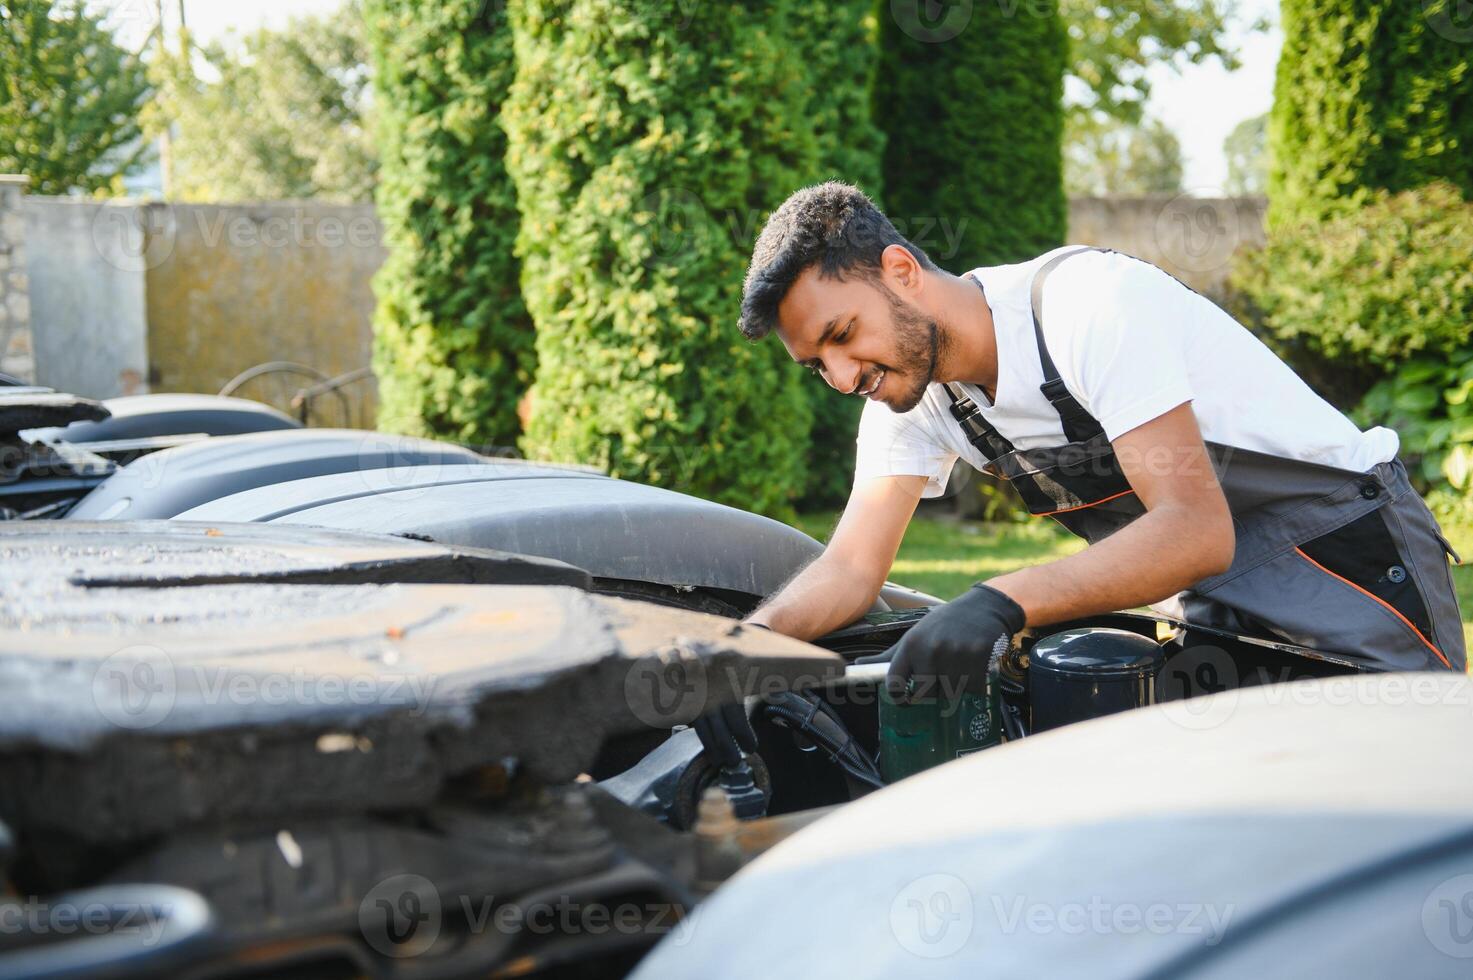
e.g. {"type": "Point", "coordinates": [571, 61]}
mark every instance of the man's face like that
{"type": "Point", "coordinates": [861, 336]}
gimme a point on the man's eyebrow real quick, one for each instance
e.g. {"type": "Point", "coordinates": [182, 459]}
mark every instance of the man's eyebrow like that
{"type": "Point", "coordinates": [828, 330]}
{"type": "Point", "coordinates": [823, 338]}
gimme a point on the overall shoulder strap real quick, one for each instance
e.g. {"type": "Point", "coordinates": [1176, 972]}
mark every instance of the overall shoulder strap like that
{"type": "Point", "coordinates": [1079, 425]}
{"type": "Point", "coordinates": [979, 431]}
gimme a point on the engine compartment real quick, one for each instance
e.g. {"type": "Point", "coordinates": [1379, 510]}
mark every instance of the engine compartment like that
{"type": "Point", "coordinates": [664, 777]}
{"type": "Point", "coordinates": [553, 800]}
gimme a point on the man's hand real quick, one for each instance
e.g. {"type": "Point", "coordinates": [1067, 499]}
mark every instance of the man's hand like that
{"type": "Point", "coordinates": [947, 651]}
{"type": "Point", "coordinates": [841, 584]}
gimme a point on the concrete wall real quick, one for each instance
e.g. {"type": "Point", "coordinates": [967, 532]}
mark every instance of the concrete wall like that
{"type": "Point", "coordinates": [16, 355]}
{"type": "Point", "coordinates": [128, 297]}
{"type": "Point", "coordinates": [86, 261]}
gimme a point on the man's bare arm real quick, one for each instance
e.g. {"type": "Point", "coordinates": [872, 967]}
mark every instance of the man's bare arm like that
{"type": "Point", "coordinates": [841, 584]}
{"type": "Point", "coordinates": [1185, 535]}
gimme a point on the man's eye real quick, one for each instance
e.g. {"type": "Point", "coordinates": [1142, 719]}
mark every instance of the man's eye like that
{"type": "Point", "coordinates": [845, 335]}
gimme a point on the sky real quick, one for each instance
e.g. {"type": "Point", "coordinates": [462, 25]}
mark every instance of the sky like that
{"type": "Point", "coordinates": [1201, 103]}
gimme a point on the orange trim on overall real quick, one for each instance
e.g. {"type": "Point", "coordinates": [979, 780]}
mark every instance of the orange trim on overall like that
{"type": "Point", "coordinates": [1388, 606]}
{"type": "Point", "coordinates": [1068, 510]}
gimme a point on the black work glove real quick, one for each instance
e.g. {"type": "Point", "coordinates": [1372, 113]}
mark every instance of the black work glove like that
{"type": "Point", "coordinates": [726, 734]}
{"type": "Point", "coordinates": [952, 642]}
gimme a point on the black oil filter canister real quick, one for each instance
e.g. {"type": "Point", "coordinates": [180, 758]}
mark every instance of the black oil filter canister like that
{"type": "Point", "coordinates": [1085, 673]}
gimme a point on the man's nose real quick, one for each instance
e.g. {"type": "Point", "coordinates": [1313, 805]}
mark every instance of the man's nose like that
{"type": "Point", "coordinates": [844, 376]}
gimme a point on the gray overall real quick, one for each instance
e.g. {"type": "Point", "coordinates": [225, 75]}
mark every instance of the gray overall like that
{"type": "Point", "coordinates": [1350, 564]}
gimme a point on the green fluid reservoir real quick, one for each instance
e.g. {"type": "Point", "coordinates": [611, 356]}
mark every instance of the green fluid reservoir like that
{"type": "Point", "coordinates": [919, 734]}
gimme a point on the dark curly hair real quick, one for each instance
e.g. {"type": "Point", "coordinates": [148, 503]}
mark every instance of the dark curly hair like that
{"type": "Point", "coordinates": [832, 224]}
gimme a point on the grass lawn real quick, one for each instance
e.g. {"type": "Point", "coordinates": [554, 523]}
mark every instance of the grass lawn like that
{"type": "Point", "coordinates": [943, 557]}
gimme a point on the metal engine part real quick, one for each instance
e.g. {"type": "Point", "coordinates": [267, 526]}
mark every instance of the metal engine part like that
{"type": "Point", "coordinates": [1081, 674]}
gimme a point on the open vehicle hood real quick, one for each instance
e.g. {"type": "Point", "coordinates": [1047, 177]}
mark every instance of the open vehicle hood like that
{"type": "Point", "coordinates": [122, 643]}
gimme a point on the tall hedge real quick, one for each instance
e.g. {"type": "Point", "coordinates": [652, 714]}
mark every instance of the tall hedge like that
{"type": "Point", "coordinates": [647, 142]}
{"type": "Point", "coordinates": [1370, 95]}
{"type": "Point", "coordinates": [837, 43]}
{"type": "Point", "coordinates": [452, 339]}
{"type": "Point", "coordinates": [970, 98]}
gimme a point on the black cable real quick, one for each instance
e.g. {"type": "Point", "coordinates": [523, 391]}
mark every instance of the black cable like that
{"type": "Point", "coordinates": [818, 721]}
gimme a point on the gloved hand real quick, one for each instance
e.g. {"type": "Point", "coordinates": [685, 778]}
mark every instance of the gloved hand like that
{"type": "Point", "coordinates": [726, 734]}
{"type": "Point", "coordinates": [953, 642]}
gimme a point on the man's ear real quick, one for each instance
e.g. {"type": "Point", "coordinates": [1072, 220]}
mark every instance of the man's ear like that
{"type": "Point", "coordinates": [900, 270]}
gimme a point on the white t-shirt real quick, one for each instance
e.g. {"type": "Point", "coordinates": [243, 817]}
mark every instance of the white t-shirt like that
{"type": "Point", "coordinates": [1131, 343]}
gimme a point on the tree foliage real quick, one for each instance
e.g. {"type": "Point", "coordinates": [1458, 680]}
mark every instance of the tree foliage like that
{"type": "Point", "coordinates": [1246, 149]}
{"type": "Point", "coordinates": [647, 141]}
{"type": "Point", "coordinates": [1103, 156]}
{"type": "Point", "coordinates": [69, 98]}
{"type": "Point", "coordinates": [452, 340]}
{"type": "Point", "coordinates": [1114, 42]}
{"type": "Point", "coordinates": [276, 114]}
{"type": "Point", "coordinates": [971, 106]}
{"type": "Point", "coordinates": [1370, 95]}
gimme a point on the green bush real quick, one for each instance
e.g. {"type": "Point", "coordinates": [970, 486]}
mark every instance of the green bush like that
{"type": "Point", "coordinates": [1383, 298]}
{"type": "Point", "coordinates": [646, 141]}
{"type": "Point", "coordinates": [837, 43]}
{"type": "Point", "coordinates": [452, 339]}
{"type": "Point", "coordinates": [971, 104]}
{"type": "Point", "coordinates": [1370, 95]}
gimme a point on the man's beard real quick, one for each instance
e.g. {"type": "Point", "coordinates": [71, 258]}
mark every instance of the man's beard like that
{"type": "Point", "coordinates": [918, 344]}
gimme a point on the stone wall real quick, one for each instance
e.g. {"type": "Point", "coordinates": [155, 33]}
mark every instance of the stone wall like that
{"type": "Point", "coordinates": [15, 306]}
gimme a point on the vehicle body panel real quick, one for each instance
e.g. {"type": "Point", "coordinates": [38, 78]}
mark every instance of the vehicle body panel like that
{"type": "Point", "coordinates": [1242, 805]}
{"type": "Point", "coordinates": [167, 483]}
{"type": "Point", "coordinates": [170, 414]}
{"type": "Point", "coordinates": [613, 528]}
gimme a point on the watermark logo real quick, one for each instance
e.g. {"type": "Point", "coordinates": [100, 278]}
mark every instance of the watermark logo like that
{"type": "Point", "coordinates": [389, 464]}
{"type": "Point", "coordinates": [134, 237]}
{"type": "Point", "coordinates": [94, 914]}
{"type": "Point", "coordinates": [132, 22]}
{"type": "Point", "coordinates": [401, 916]}
{"type": "Point", "coordinates": [1447, 917]}
{"type": "Point", "coordinates": [668, 689]}
{"type": "Point", "coordinates": [135, 688]}
{"type": "Point", "coordinates": [1102, 916]}
{"type": "Point", "coordinates": [1198, 234]}
{"type": "Point", "coordinates": [138, 687]}
{"type": "Point", "coordinates": [1186, 681]}
{"type": "Point", "coordinates": [676, 217]}
{"type": "Point", "coordinates": [931, 21]}
{"type": "Point", "coordinates": [1451, 20]}
{"type": "Point", "coordinates": [932, 917]}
